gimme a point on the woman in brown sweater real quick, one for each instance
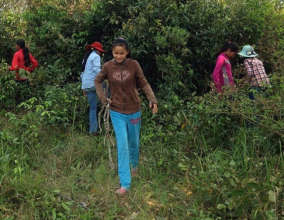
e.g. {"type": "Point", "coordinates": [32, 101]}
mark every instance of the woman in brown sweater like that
{"type": "Point", "coordinates": [125, 76]}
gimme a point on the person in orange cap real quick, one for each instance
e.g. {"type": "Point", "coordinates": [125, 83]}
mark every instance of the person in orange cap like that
{"type": "Point", "coordinates": [91, 66]}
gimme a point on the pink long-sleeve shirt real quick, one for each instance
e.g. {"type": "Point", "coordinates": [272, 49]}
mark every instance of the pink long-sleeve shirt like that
{"type": "Point", "coordinates": [222, 74]}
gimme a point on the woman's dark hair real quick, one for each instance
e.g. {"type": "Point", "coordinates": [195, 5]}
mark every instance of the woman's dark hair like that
{"type": "Point", "coordinates": [26, 52]}
{"type": "Point", "coordinates": [86, 56]}
{"type": "Point", "coordinates": [229, 45]}
{"type": "Point", "coordinates": [123, 43]}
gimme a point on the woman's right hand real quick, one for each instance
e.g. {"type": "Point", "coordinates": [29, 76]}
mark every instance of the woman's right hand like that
{"type": "Point", "coordinates": [108, 101]}
{"type": "Point", "coordinates": [154, 107]}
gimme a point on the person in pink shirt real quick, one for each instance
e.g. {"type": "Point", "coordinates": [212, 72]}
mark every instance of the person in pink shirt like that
{"type": "Point", "coordinates": [222, 75]}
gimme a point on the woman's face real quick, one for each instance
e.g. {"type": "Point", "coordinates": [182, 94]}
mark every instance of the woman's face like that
{"type": "Point", "coordinates": [231, 54]}
{"type": "Point", "coordinates": [119, 53]}
{"type": "Point", "coordinates": [17, 47]}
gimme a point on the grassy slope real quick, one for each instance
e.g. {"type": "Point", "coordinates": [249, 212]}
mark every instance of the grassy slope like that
{"type": "Point", "coordinates": [67, 177]}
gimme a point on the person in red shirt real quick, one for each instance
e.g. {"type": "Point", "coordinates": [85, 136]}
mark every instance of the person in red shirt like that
{"type": "Point", "coordinates": [22, 59]}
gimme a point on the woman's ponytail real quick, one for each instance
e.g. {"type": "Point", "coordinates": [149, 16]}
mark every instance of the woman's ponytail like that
{"type": "Point", "coordinates": [86, 56]}
{"type": "Point", "coordinates": [26, 52]}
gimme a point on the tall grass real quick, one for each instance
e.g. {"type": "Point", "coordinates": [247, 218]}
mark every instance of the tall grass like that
{"type": "Point", "coordinates": [206, 158]}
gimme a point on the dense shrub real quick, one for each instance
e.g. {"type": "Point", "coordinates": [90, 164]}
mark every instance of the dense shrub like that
{"type": "Point", "coordinates": [7, 89]}
{"type": "Point", "coordinates": [56, 34]}
{"type": "Point", "coordinates": [176, 39]}
{"type": "Point", "coordinates": [63, 107]}
{"type": "Point", "coordinates": [11, 28]}
{"type": "Point", "coordinates": [236, 187]}
{"type": "Point", "coordinates": [226, 151]}
{"type": "Point", "coordinates": [11, 91]}
{"type": "Point", "coordinates": [226, 147]}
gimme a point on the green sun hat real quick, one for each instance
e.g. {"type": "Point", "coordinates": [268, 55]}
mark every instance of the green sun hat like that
{"type": "Point", "coordinates": [248, 51]}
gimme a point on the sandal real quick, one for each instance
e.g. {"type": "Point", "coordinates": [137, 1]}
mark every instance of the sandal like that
{"type": "Point", "coordinates": [121, 191]}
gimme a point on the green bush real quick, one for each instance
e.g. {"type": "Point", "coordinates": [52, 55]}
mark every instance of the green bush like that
{"type": "Point", "coordinates": [11, 28]}
{"type": "Point", "coordinates": [8, 90]}
{"type": "Point", "coordinates": [228, 148]}
{"type": "Point", "coordinates": [11, 91]}
{"type": "Point", "coordinates": [63, 107]}
{"type": "Point", "coordinates": [182, 38]}
{"type": "Point", "coordinates": [57, 34]}
{"type": "Point", "coordinates": [55, 74]}
{"type": "Point", "coordinates": [220, 119]}
{"type": "Point", "coordinates": [226, 151]}
{"type": "Point", "coordinates": [226, 188]}
{"type": "Point", "coordinates": [177, 39]}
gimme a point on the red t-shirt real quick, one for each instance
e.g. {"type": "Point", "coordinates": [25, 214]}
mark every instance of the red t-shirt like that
{"type": "Point", "coordinates": [18, 62]}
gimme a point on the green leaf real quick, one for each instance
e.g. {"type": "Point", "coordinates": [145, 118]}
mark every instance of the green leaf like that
{"type": "Point", "coordinates": [221, 206]}
{"type": "Point", "coordinates": [272, 196]}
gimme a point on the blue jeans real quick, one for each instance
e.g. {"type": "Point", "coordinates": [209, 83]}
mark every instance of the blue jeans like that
{"type": "Point", "coordinates": [127, 133]}
{"type": "Point", "coordinates": [93, 101]}
{"type": "Point", "coordinates": [255, 90]}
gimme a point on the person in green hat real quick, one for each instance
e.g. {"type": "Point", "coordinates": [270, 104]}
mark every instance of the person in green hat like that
{"type": "Point", "coordinates": [256, 74]}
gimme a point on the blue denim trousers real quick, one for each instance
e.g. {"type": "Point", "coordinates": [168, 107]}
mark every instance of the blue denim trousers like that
{"type": "Point", "coordinates": [127, 133]}
{"type": "Point", "coordinates": [254, 91]}
{"type": "Point", "coordinates": [93, 101]}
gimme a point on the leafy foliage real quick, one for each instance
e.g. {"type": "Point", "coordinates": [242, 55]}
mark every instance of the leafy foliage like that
{"type": "Point", "coordinates": [204, 156]}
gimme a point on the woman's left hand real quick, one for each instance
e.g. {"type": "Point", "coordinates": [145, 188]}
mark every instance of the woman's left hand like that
{"type": "Point", "coordinates": [154, 107]}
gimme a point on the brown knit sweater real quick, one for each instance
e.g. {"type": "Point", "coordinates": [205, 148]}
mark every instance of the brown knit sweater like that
{"type": "Point", "coordinates": [124, 80]}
